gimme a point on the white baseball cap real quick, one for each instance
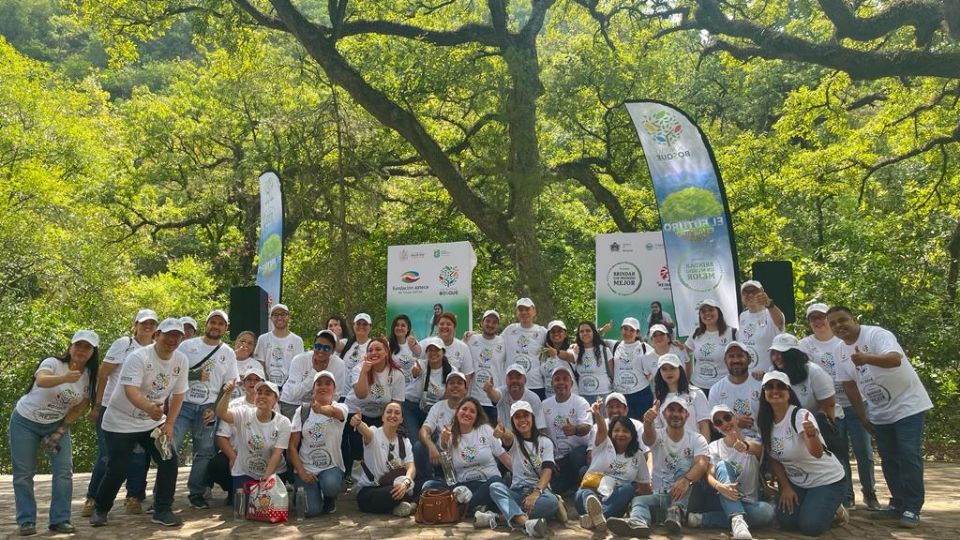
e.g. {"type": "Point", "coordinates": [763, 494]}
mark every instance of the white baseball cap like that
{"type": "Point", "coordinates": [146, 315]}
{"type": "Point", "coordinates": [329, 334]}
{"type": "Point", "coordinates": [658, 328]}
{"type": "Point", "coordinates": [784, 342]}
{"type": "Point", "coordinates": [89, 336]}
{"type": "Point", "coordinates": [433, 342]}
{"type": "Point", "coordinates": [554, 324]}
{"type": "Point", "coordinates": [269, 384]}
{"type": "Point", "coordinates": [560, 368]}
{"type": "Point", "coordinates": [185, 320]}
{"type": "Point", "coordinates": [326, 374]}
{"type": "Point", "coordinates": [720, 407]}
{"type": "Point", "coordinates": [682, 402]}
{"type": "Point", "coordinates": [520, 406]}
{"type": "Point", "coordinates": [363, 317]}
{"type": "Point", "coordinates": [279, 306]}
{"type": "Point", "coordinates": [456, 374]}
{"type": "Point", "coordinates": [170, 325]}
{"type": "Point", "coordinates": [817, 308]}
{"type": "Point", "coordinates": [525, 302]}
{"type": "Point", "coordinates": [668, 359]}
{"type": "Point", "coordinates": [219, 313]}
{"type": "Point", "coordinates": [775, 376]}
{"type": "Point", "coordinates": [490, 312]}
{"type": "Point", "coordinates": [750, 283]}
{"type": "Point", "coordinates": [708, 302]}
{"type": "Point", "coordinates": [632, 322]}
{"type": "Point", "coordinates": [253, 369]}
{"type": "Point", "coordinates": [516, 368]}
{"type": "Point", "coordinates": [615, 396]}
{"type": "Point", "coordinates": [737, 345]}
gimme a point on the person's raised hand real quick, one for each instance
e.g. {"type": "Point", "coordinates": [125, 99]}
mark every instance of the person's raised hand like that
{"type": "Point", "coordinates": [651, 415]}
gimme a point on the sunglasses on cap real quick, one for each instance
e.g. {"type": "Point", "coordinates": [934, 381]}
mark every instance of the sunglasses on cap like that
{"type": "Point", "coordinates": [320, 347]}
{"type": "Point", "coordinates": [775, 385]}
{"type": "Point", "coordinates": [723, 419]}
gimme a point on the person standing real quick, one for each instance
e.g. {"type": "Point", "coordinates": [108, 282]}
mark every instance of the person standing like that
{"type": "Point", "coordinates": [355, 347]}
{"type": "Point", "coordinates": [60, 391]}
{"type": "Point", "coordinates": [522, 342]}
{"type": "Point", "coordinates": [738, 390]}
{"type": "Point", "coordinates": [135, 415]}
{"type": "Point", "coordinates": [488, 360]}
{"type": "Point", "coordinates": [212, 363]}
{"type": "Point", "coordinates": [874, 367]}
{"type": "Point", "coordinates": [759, 323]}
{"type": "Point", "coordinates": [276, 348]}
{"type": "Point", "coordinates": [632, 368]}
{"type": "Point", "coordinates": [299, 387]}
{"type": "Point", "coordinates": [707, 345]}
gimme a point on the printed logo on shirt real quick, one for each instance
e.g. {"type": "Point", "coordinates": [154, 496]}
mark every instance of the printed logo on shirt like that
{"type": "Point", "coordinates": [617, 466]}
{"type": "Point", "coordinates": [742, 407]}
{"type": "Point", "coordinates": [469, 453]}
{"type": "Point", "coordinates": [160, 382]}
{"type": "Point", "coordinates": [317, 431]}
{"type": "Point", "coordinates": [256, 443]}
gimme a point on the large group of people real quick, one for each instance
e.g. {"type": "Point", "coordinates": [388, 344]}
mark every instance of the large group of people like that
{"type": "Point", "coordinates": [738, 428]}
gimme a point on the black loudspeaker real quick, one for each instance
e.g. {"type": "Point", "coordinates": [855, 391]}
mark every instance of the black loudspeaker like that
{"type": "Point", "coordinates": [248, 310]}
{"type": "Point", "coordinates": [777, 280]}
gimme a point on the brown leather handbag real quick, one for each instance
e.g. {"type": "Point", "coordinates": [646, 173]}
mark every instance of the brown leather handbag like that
{"type": "Point", "coordinates": [436, 507]}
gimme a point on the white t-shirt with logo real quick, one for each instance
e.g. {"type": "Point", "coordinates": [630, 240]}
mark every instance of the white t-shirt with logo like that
{"type": "Point", "coordinates": [697, 409]}
{"type": "Point", "coordinates": [746, 465]}
{"type": "Point", "coordinates": [49, 405]}
{"type": "Point", "coordinates": [276, 354]}
{"type": "Point", "coordinates": [708, 352]}
{"type": "Point", "coordinates": [474, 456]}
{"type": "Point", "coordinates": [458, 354]}
{"type": "Point", "coordinates": [387, 386]}
{"type": "Point", "coordinates": [320, 439]}
{"type": "Point", "coordinates": [157, 379]}
{"type": "Point", "coordinates": [353, 356]}
{"type": "Point", "coordinates": [574, 410]}
{"type": "Point", "coordinates": [405, 359]}
{"type": "Point", "coordinates": [625, 469]}
{"type": "Point", "coordinates": [592, 437]}
{"type": "Point", "coordinates": [593, 378]}
{"type": "Point", "coordinates": [488, 363]}
{"type": "Point", "coordinates": [633, 368]}
{"type": "Point", "coordinates": [435, 387]}
{"type": "Point", "coordinates": [789, 448]}
{"type": "Point", "coordinates": [672, 459]}
{"type": "Point", "coordinates": [299, 386]}
{"type": "Point", "coordinates": [824, 354]}
{"type": "Point", "coordinates": [757, 331]}
{"type": "Point", "coordinates": [503, 406]}
{"type": "Point", "coordinates": [439, 416]}
{"type": "Point", "coordinates": [550, 363]}
{"type": "Point", "coordinates": [818, 386]}
{"type": "Point", "coordinates": [526, 472]}
{"type": "Point", "coordinates": [204, 384]}
{"type": "Point", "coordinates": [890, 394]}
{"type": "Point", "coordinates": [242, 366]}
{"type": "Point", "coordinates": [117, 354]}
{"type": "Point", "coordinates": [377, 454]}
{"type": "Point", "coordinates": [256, 441]}
{"type": "Point", "coordinates": [743, 398]}
{"type": "Point", "coordinates": [522, 346]}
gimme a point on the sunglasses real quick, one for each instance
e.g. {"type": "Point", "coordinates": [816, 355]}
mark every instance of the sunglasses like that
{"type": "Point", "coordinates": [775, 385]}
{"type": "Point", "coordinates": [725, 418]}
{"type": "Point", "coordinates": [322, 348]}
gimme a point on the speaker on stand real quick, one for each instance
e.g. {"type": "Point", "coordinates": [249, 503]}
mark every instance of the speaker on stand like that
{"type": "Point", "coordinates": [248, 310]}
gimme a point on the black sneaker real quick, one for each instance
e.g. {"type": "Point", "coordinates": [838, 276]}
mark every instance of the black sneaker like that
{"type": "Point", "coordinates": [98, 519]}
{"type": "Point", "coordinates": [63, 528]}
{"type": "Point", "coordinates": [329, 506]}
{"type": "Point", "coordinates": [197, 501]}
{"type": "Point", "coordinates": [166, 518]}
{"type": "Point", "coordinates": [870, 499]}
{"type": "Point", "coordinates": [28, 529]}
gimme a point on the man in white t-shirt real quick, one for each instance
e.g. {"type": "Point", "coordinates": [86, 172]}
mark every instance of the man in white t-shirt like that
{"type": "Point", "coordinates": [515, 390]}
{"type": "Point", "coordinates": [211, 363]}
{"type": "Point", "coordinates": [299, 387]}
{"type": "Point", "coordinates": [738, 390]}
{"type": "Point", "coordinates": [149, 377]}
{"type": "Point", "coordinates": [759, 323]}
{"type": "Point", "coordinates": [569, 421]}
{"type": "Point", "coordinates": [276, 348]}
{"type": "Point", "coordinates": [489, 360]}
{"type": "Point", "coordinates": [872, 365]}
{"type": "Point", "coordinates": [522, 343]}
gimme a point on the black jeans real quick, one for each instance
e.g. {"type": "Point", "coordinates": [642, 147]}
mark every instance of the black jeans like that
{"type": "Point", "coordinates": [218, 472]}
{"type": "Point", "coordinates": [119, 452]}
{"type": "Point", "coordinates": [378, 500]}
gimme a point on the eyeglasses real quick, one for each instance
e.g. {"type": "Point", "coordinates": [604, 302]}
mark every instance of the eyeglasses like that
{"type": "Point", "coordinates": [280, 315]}
{"type": "Point", "coordinates": [723, 419]}
{"type": "Point", "coordinates": [390, 452]}
{"type": "Point", "coordinates": [322, 348]}
{"type": "Point", "coordinates": [775, 385]}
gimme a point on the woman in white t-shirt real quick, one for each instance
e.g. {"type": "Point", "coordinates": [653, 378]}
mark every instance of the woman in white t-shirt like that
{"type": "Point", "coordinates": [386, 484]}
{"type": "Point", "coordinates": [243, 348]}
{"type": "Point", "coordinates": [425, 382]}
{"type": "Point", "coordinates": [671, 381]}
{"type": "Point", "coordinates": [528, 503]}
{"type": "Point", "coordinates": [58, 394]}
{"type": "Point", "coordinates": [474, 453]}
{"type": "Point", "coordinates": [556, 352]}
{"type": "Point", "coordinates": [618, 471]}
{"type": "Point", "coordinates": [811, 479]}
{"type": "Point", "coordinates": [707, 345]}
{"type": "Point", "coordinates": [591, 363]}
{"type": "Point", "coordinates": [354, 348]}
{"type": "Point", "coordinates": [315, 446]}
{"type": "Point", "coordinates": [262, 434]}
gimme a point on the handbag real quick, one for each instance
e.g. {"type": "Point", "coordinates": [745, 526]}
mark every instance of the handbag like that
{"type": "Point", "coordinates": [387, 478]}
{"type": "Point", "coordinates": [436, 507]}
{"type": "Point", "coordinates": [267, 500]}
{"type": "Point", "coordinates": [591, 480]}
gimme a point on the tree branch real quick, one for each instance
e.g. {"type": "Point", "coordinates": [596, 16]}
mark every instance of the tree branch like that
{"type": "Point", "coordinates": [924, 16]}
{"type": "Point", "coordinates": [582, 171]}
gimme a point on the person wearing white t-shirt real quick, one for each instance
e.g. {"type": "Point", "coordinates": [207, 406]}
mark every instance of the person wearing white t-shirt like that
{"type": "Point", "coordinates": [759, 323]}
{"type": "Point", "coordinates": [556, 352]}
{"type": "Point", "coordinates": [707, 345]}
{"type": "Point", "coordinates": [734, 474]}
{"type": "Point", "coordinates": [149, 377]}
{"type": "Point", "coordinates": [810, 477]}
{"type": "Point", "coordinates": [386, 485]}
{"type": "Point", "coordinates": [276, 348]}
{"type": "Point", "coordinates": [591, 363]}
{"type": "Point", "coordinates": [631, 368]}
{"type": "Point", "coordinates": [680, 458]}
{"type": "Point", "coordinates": [144, 327]}
{"type": "Point", "coordinates": [243, 347]}
{"type": "Point", "coordinates": [405, 349]}
{"type": "Point", "coordinates": [218, 470]}
{"type": "Point", "coordinates": [515, 390]}
{"type": "Point", "coordinates": [821, 346]}
{"type": "Point", "coordinates": [489, 360]}
{"type": "Point", "coordinates": [671, 381]}
{"type": "Point", "coordinates": [568, 423]}
{"type": "Point", "coordinates": [890, 400]}
{"type": "Point", "coordinates": [211, 364]}
{"type": "Point", "coordinates": [262, 435]}
{"type": "Point", "coordinates": [354, 348]}
{"type": "Point", "coordinates": [528, 502]}
{"type": "Point", "coordinates": [660, 345]}
{"type": "Point", "coordinates": [457, 352]}
{"type": "Point", "coordinates": [60, 391]}
{"type": "Point", "coordinates": [522, 342]}
{"type": "Point", "coordinates": [615, 405]}
{"type": "Point", "coordinates": [299, 387]}
{"type": "Point", "coordinates": [738, 390]}
{"type": "Point", "coordinates": [315, 446]}
{"type": "Point", "coordinates": [426, 385]}
{"type": "Point", "coordinates": [426, 451]}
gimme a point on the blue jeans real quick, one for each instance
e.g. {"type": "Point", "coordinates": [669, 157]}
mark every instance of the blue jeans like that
{"type": "Point", "coordinates": [23, 454]}
{"type": "Point", "coordinates": [901, 459]}
{"type": "Point", "coordinates": [191, 419]}
{"type": "Point", "coordinates": [757, 514]}
{"type": "Point", "coordinates": [639, 403]}
{"type": "Point", "coordinates": [413, 419]}
{"type": "Point", "coordinates": [421, 459]}
{"type": "Point", "coordinates": [136, 474]}
{"type": "Point", "coordinates": [816, 508]}
{"type": "Point", "coordinates": [508, 502]}
{"type": "Point", "coordinates": [479, 488]}
{"type": "Point", "coordinates": [491, 414]}
{"type": "Point", "coordinates": [571, 468]}
{"type": "Point", "coordinates": [863, 450]}
{"type": "Point", "coordinates": [326, 488]}
{"type": "Point", "coordinates": [613, 506]}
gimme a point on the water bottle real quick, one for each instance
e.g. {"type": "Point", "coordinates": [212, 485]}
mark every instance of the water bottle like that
{"type": "Point", "coordinates": [447, 464]}
{"type": "Point", "coordinates": [239, 505]}
{"type": "Point", "coordinates": [300, 500]}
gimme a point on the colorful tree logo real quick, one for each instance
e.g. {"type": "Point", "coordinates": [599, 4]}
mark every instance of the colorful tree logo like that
{"type": "Point", "coordinates": [663, 127]}
{"type": "Point", "coordinates": [449, 276]}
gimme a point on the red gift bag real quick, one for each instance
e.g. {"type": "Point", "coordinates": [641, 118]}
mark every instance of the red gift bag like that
{"type": "Point", "coordinates": [267, 501]}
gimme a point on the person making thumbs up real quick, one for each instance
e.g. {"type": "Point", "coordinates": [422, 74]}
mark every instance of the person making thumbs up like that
{"type": "Point", "coordinates": [568, 424]}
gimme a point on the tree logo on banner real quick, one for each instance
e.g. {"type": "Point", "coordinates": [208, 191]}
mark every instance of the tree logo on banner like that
{"type": "Point", "coordinates": [449, 276]}
{"type": "Point", "coordinates": [663, 127]}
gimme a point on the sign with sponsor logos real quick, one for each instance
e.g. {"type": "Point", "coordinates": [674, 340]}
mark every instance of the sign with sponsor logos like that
{"type": "Point", "coordinates": [631, 273]}
{"type": "Point", "coordinates": [425, 280]}
{"type": "Point", "coordinates": [694, 217]}
{"type": "Point", "coordinates": [270, 248]}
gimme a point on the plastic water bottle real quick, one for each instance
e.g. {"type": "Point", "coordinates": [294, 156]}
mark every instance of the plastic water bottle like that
{"type": "Point", "coordinates": [446, 463]}
{"type": "Point", "coordinates": [239, 505]}
{"type": "Point", "coordinates": [300, 500]}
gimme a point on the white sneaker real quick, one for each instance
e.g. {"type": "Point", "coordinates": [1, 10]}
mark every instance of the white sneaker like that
{"type": "Point", "coordinates": [696, 520]}
{"type": "Point", "coordinates": [841, 517]}
{"type": "Point", "coordinates": [404, 509]}
{"type": "Point", "coordinates": [463, 494]}
{"type": "Point", "coordinates": [595, 511]}
{"type": "Point", "coordinates": [561, 510]}
{"type": "Point", "coordinates": [586, 522]}
{"type": "Point", "coordinates": [484, 519]}
{"type": "Point", "coordinates": [739, 527]}
{"type": "Point", "coordinates": [536, 528]}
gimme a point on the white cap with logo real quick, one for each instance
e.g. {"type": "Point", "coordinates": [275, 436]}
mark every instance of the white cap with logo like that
{"type": "Point", "coordinates": [525, 302]}
{"type": "Point", "coordinates": [170, 325]}
{"type": "Point", "coordinates": [146, 315]}
{"type": "Point", "coordinates": [631, 322]}
{"type": "Point", "coordinates": [89, 336]}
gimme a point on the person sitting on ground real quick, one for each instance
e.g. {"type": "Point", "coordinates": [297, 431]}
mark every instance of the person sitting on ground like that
{"type": "Point", "coordinates": [386, 484]}
{"type": "Point", "coordinates": [426, 451]}
{"type": "Point", "coordinates": [615, 405]}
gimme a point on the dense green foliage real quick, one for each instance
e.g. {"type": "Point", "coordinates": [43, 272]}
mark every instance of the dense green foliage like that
{"type": "Point", "coordinates": [132, 134]}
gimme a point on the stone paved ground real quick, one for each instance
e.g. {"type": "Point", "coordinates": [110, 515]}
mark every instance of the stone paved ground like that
{"type": "Point", "coordinates": [941, 519]}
